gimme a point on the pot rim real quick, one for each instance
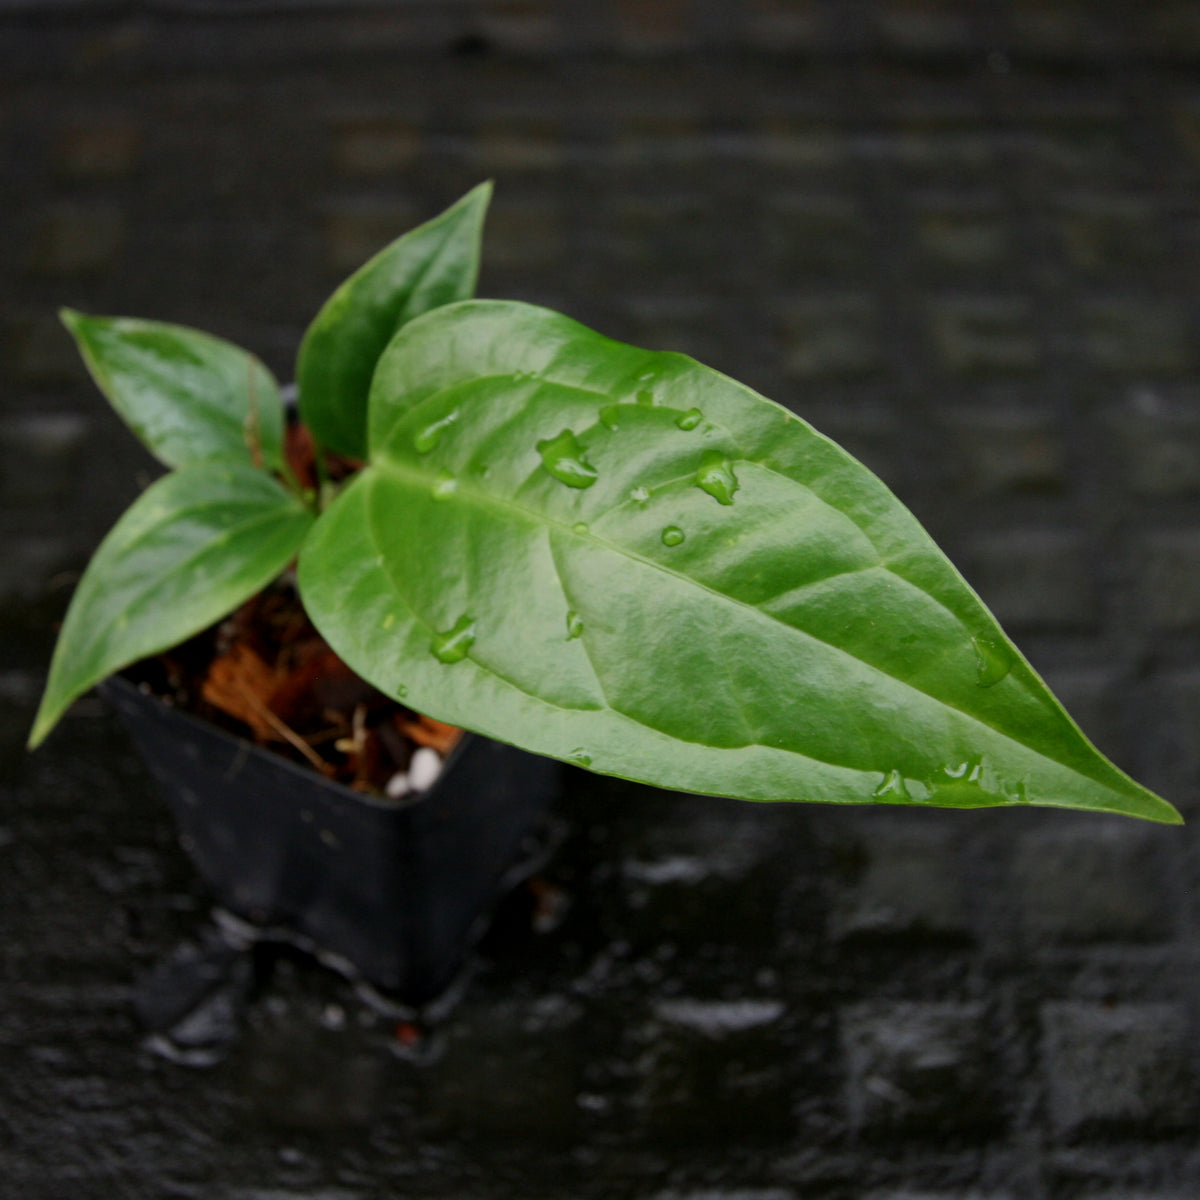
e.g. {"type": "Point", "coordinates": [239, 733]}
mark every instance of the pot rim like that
{"type": "Point", "coordinates": [122, 686]}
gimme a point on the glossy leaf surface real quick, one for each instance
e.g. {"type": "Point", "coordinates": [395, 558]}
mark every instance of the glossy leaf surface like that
{"type": "Point", "coordinates": [187, 395]}
{"type": "Point", "coordinates": [189, 550]}
{"type": "Point", "coordinates": [434, 264]}
{"type": "Point", "coordinates": [629, 561]}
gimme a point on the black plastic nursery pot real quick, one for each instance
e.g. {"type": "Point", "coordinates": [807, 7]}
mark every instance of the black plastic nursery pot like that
{"type": "Point", "coordinates": [399, 892]}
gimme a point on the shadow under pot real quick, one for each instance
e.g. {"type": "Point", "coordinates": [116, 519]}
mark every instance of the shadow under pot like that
{"type": "Point", "coordinates": [398, 892]}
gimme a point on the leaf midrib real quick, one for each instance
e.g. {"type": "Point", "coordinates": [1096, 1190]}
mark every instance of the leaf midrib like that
{"type": "Point", "coordinates": [884, 561]}
{"type": "Point", "coordinates": [411, 475]}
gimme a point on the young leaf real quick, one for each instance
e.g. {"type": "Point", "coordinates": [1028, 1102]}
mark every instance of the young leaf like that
{"type": "Point", "coordinates": [434, 264]}
{"type": "Point", "coordinates": [189, 550]}
{"type": "Point", "coordinates": [629, 561]}
{"type": "Point", "coordinates": [188, 396]}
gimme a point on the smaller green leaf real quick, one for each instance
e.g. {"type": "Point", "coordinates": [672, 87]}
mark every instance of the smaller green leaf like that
{"type": "Point", "coordinates": [190, 549]}
{"type": "Point", "coordinates": [432, 265]}
{"type": "Point", "coordinates": [187, 395]}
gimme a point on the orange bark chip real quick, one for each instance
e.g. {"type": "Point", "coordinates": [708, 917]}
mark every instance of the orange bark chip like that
{"type": "Point", "coordinates": [425, 731]}
{"type": "Point", "coordinates": [240, 683]}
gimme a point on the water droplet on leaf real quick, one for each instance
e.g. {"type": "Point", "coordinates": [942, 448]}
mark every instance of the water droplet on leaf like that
{"type": "Point", "coordinates": [445, 485]}
{"type": "Point", "coordinates": [640, 494]}
{"type": "Point", "coordinates": [993, 660]}
{"type": "Point", "coordinates": [610, 416]}
{"type": "Point", "coordinates": [389, 621]}
{"type": "Point", "coordinates": [892, 787]}
{"type": "Point", "coordinates": [1019, 794]}
{"type": "Point", "coordinates": [689, 419]}
{"type": "Point", "coordinates": [970, 771]}
{"type": "Point", "coordinates": [428, 438]}
{"type": "Point", "coordinates": [578, 755]}
{"type": "Point", "coordinates": [672, 535]}
{"type": "Point", "coordinates": [716, 477]}
{"type": "Point", "coordinates": [563, 457]}
{"type": "Point", "coordinates": [574, 625]}
{"type": "Point", "coordinates": [967, 784]}
{"type": "Point", "coordinates": [579, 527]}
{"type": "Point", "coordinates": [453, 645]}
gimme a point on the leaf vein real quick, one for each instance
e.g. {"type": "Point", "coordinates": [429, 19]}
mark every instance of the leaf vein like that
{"type": "Point", "coordinates": [410, 475]}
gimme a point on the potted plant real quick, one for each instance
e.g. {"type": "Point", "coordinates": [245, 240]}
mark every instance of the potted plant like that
{"type": "Point", "coordinates": [607, 556]}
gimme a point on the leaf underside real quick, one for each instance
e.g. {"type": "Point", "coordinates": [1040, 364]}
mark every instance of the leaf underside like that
{"type": "Point", "coordinates": [626, 560]}
{"type": "Point", "coordinates": [434, 264]}
{"type": "Point", "coordinates": [190, 549]}
{"type": "Point", "coordinates": [187, 395]}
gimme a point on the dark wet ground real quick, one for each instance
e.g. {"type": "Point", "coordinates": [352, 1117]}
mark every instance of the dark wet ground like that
{"type": "Point", "coordinates": [961, 238]}
{"type": "Point", "coordinates": [696, 998]}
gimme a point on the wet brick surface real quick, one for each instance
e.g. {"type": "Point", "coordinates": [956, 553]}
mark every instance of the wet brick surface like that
{"type": "Point", "coordinates": [961, 238]}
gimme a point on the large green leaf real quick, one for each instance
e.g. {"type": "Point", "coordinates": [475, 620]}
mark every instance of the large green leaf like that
{"type": "Point", "coordinates": [434, 264]}
{"type": "Point", "coordinates": [188, 396]}
{"type": "Point", "coordinates": [190, 549]}
{"type": "Point", "coordinates": [627, 560]}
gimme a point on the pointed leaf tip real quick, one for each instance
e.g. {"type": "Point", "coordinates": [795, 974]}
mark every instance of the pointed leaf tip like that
{"type": "Point", "coordinates": [435, 264]}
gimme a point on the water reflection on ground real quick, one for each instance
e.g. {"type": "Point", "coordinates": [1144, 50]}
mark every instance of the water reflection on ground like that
{"type": "Point", "coordinates": [694, 998]}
